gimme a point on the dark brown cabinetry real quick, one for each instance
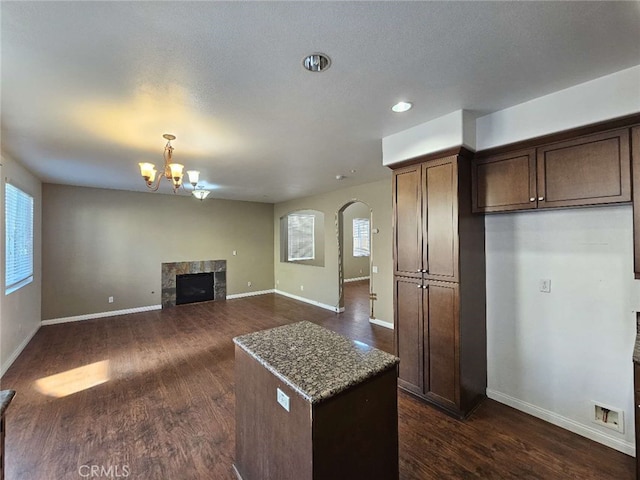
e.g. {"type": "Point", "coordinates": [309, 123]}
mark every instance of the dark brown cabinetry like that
{"type": "Point", "coordinates": [588, 170]}
{"type": "Point", "coordinates": [635, 151]}
{"type": "Point", "coordinates": [505, 182]}
{"type": "Point", "coordinates": [636, 399]}
{"type": "Point", "coordinates": [439, 283]}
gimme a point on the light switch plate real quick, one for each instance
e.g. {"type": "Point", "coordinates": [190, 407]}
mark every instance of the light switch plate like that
{"type": "Point", "coordinates": [283, 399]}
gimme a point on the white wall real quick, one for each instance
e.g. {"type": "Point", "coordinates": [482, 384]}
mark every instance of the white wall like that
{"type": "Point", "coordinates": [552, 354]}
{"type": "Point", "coordinates": [451, 130]}
{"type": "Point", "coordinates": [604, 98]}
{"type": "Point", "coordinates": [20, 310]}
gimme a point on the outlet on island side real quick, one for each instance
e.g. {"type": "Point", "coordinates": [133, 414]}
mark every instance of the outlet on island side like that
{"type": "Point", "coordinates": [110, 299]}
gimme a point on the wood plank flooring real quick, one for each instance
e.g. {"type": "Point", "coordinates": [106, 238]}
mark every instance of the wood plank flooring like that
{"type": "Point", "coordinates": [167, 410]}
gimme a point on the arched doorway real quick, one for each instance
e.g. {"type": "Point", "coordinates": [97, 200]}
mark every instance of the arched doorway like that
{"type": "Point", "coordinates": [355, 257]}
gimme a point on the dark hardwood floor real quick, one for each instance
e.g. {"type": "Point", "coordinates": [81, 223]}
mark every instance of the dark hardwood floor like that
{"type": "Point", "coordinates": [166, 410]}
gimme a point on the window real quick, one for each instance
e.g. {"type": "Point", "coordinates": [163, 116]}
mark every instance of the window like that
{"type": "Point", "coordinates": [360, 237]}
{"type": "Point", "coordinates": [302, 237]}
{"type": "Point", "coordinates": [18, 238]}
{"type": "Point", "coordinates": [301, 245]}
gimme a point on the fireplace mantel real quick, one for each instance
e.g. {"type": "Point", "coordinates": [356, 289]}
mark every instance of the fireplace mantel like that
{"type": "Point", "coordinates": [170, 270]}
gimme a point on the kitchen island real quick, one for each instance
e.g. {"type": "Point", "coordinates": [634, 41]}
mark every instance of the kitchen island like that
{"type": "Point", "coordinates": [314, 405]}
{"type": "Point", "coordinates": [5, 399]}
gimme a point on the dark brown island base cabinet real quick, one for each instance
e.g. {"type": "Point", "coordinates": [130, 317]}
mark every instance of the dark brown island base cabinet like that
{"type": "Point", "coordinates": [439, 269]}
{"type": "Point", "coordinates": [6, 396]}
{"type": "Point", "coordinates": [588, 170]}
{"type": "Point", "coordinates": [636, 399]}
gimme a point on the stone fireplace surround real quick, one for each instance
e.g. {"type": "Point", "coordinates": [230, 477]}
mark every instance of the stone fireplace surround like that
{"type": "Point", "coordinates": [170, 270]}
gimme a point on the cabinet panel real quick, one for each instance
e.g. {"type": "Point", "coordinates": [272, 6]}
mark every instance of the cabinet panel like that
{"type": "Point", "coordinates": [407, 250]}
{"type": "Point", "coordinates": [441, 225]}
{"type": "Point", "coordinates": [442, 350]}
{"type": "Point", "coordinates": [408, 330]}
{"type": "Point", "coordinates": [504, 182]}
{"type": "Point", "coordinates": [588, 170]}
{"type": "Point", "coordinates": [635, 150]}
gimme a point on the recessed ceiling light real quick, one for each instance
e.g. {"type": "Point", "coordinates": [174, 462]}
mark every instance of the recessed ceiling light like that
{"type": "Point", "coordinates": [316, 62]}
{"type": "Point", "coordinates": [401, 107]}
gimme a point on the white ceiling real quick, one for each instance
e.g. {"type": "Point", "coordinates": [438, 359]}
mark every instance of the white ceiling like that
{"type": "Point", "coordinates": [88, 88]}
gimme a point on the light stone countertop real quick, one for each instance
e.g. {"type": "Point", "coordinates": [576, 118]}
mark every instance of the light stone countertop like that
{"type": "Point", "coordinates": [315, 362]}
{"type": "Point", "coordinates": [5, 399]}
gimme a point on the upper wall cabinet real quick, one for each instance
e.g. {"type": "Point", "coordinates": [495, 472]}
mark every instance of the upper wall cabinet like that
{"type": "Point", "coordinates": [426, 220]}
{"type": "Point", "coordinates": [588, 170]}
{"type": "Point", "coordinates": [505, 182]}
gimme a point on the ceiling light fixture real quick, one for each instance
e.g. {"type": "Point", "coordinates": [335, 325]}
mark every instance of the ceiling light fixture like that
{"type": "Point", "coordinates": [316, 62]}
{"type": "Point", "coordinates": [200, 193]}
{"type": "Point", "coordinates": [171, 171]}
{"type": "Point", "coordinates": [401, 107]}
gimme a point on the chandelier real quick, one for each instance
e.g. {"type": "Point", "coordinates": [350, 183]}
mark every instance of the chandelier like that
{"type": "Point", "coordinates": [172, 172]}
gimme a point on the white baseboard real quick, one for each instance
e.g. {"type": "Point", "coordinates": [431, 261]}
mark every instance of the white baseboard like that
{"type": "Point", "coordinates": [312, 302]}
{"type": "Point", "coordinates": [564, 422]}
{"type": "Point", "coordinates": [382, 323]}
{"type": "Point", "coordinates": [91, 316]}
{"type": "Point", "coordinates": [249, 294]}
{"type": "Point", "coordinates": [357, 279]}
{"type": "Point", "coordinates": [18, 351]}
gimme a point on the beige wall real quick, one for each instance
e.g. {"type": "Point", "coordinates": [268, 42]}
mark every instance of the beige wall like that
{"type": "Point", "coordinates": [100, 243]}
{"type": "Point", "coordinates": [321, 283]}
{"type": "Point", "coordinates": [20, 310]}
{"type": "Point", "coordinates": [354, 267]}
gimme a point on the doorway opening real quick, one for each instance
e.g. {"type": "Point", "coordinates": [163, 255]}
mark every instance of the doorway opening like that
{"type": "Point", "coordinates": [355, 260]}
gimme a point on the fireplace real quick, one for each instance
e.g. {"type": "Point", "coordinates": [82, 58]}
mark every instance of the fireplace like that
{"type": "Point", "coordinates": [207, 275]}
{"type": "Point", "coordinates": [194, 287]}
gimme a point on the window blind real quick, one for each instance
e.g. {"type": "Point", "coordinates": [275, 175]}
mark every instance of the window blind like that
{"type": "Point", "coordinates": [18, 238]}
{"type": "Point", "coordinates": [301, 244]}
{"type": "Point", "coordinates": [360, 237]}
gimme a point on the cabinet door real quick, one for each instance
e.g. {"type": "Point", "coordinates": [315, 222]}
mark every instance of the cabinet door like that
{"type": "Point", "coordinates": [441, 344]}
{"type": "Point", "coordinates": [408, 330]}
{"type": "Point", "coordinates": [636, 398]}
{"type": "Point", "coordinates": [585, 171]}
{"type": "Point", "coordinates": [504, 182]}
{"type": "Point", "coordinates": [635, 151]}
{"type": "Point", "coordinates": [440, 219]}
{"type": "Point", "coordinates": [407, 251]}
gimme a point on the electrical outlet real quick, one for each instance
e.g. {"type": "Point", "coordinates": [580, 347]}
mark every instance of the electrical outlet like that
{"type": "Point", "coordinates": [374, 269]}
{"type": "Point", "coordinates": [302, 288]}
{"type": "Point", "coordinates": [110, 299]}
{"type": "Point", "coordinates": [248, 284]}
{"type": "Point", "coordinates": [235, 252]}
{"type": "Point", "coordinates": [360, 270]}
{"type": "Point", "coordinates": [283, 399]}
{"type": "Point", "coordinates": [545, 285]}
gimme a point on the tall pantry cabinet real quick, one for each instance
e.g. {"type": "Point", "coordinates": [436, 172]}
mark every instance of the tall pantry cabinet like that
{"type": "Point", "coordinates": [439, 281]}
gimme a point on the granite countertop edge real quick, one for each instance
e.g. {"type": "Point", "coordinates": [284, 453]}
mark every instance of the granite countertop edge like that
{"type": "Point", "coordinates": [383, 362]}
{"type": "Point", "coordinates": [325, 394]}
